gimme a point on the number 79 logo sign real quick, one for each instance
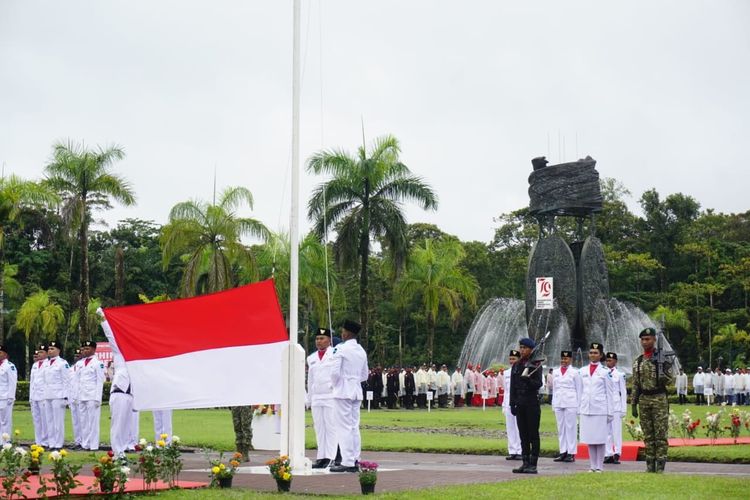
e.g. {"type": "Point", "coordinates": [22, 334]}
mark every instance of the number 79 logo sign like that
{"type": "Point", "coordinates": [545, 295]}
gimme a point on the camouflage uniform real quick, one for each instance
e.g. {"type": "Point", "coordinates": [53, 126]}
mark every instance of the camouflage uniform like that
{"type": "Point", "coordinates": [242, 419]}
{"type": "Point", "coordinates": [651, 397]}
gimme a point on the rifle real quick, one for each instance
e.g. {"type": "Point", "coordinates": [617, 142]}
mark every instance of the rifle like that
{"type": "Point", "coordinates": [537, 357]}
{"type": "Point", "coordinates": [661, 355]}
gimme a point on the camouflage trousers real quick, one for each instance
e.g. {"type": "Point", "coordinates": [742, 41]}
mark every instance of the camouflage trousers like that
{"type": "Point", "coordinates": [242, 419]}
{"type": "Point", "coordinates": [654, 413]}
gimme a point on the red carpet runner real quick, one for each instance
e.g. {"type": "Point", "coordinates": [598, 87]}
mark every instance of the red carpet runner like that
{"type": "Point", "coordinates": [630, 448]}
{"type": "Point", "coordinates": [134, 485]}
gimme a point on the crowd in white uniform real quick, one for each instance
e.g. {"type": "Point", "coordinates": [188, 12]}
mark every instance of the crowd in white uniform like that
{"type": "Point", "coordinates": [55, 385]}
{"type": "Point", "coordinates": [716, 387]}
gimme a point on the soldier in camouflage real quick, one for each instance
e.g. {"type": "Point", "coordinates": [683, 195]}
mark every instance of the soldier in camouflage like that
{"type": "Point", "coordinates": [650, 381]}
{"type": "Point", "coordinates": [242, 420]}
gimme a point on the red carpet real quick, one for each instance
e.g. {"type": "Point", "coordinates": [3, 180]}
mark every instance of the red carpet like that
{"type": "Point", "coordinates": [630, 448]}
{"type": "Point", "coordinates": [134, 485]}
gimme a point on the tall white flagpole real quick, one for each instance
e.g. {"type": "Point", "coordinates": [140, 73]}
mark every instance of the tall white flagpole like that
{"type": "Point", "coordinates": [293, 408]}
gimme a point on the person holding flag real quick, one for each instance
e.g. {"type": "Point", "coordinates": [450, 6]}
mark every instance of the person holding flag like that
{"type": "Point", "coordinates": [320, 398]}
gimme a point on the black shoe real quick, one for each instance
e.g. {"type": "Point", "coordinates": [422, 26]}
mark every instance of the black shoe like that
{"type": "Point", "coordinates": [616, 459]}
{"type": "Point", "coordinates": [531, 468]}
{"type": "Point", "coordinates": [321, 463]}
{"type": "Point", "coordinates": [513, 456]}
{"type": "Point", "coordinates": [659, 465]}
{"type": "Point", "coordinates": [570, 458]}
{"type": "Point", "coordinates": [522, 468]}
{"type": "Point", "coordinates": [344, 468]}
{"type": "Point", "coordinates": [609, 460]}
{"type": "Point", "coordinates": [560, 458]}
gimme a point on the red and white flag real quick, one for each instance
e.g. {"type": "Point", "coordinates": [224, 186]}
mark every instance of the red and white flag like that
{"type": "Point", "coordinates": [221, 349]}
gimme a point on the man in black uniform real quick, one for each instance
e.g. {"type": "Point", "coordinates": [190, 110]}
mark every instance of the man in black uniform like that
{"type": "Point", "coordinates": [409, 389]}
{"type": "Point", "coordinates": [524, 405]}
{"type": "Point", "coordinates": [392, 388]}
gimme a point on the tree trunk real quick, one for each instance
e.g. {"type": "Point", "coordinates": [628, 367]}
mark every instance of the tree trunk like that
{"type": "Point", "coordinates": [83, 325]}
{"type": "Point", "coordinates": [2, 288]}
{"type": "Point", "coordinates": [119, 276]}
{"type": "Point", "coordinates": [430, 337]}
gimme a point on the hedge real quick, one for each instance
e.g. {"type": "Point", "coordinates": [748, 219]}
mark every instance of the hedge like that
{"type": "Point", "coordinates": [22, 391]}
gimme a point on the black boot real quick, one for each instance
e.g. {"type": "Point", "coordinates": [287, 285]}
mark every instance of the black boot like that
{"type": "Point", "coordinates": [561, 457]}
{"type": "Point", "coordinates": [513, 456]}
{"type": "Point", "coordinates": [660, 464]}
{"type": "Point", "coordinates": [608, 460]}
{"type": "Point", "coordinates": [522, 468]}
{"type": "Point", "coordinates": [650, 465]}
{"type": "Point", "coordinates": [531, 469]}
{"type": "Point", "coordinates": [616, 459]}
{"type": "Point", "coordinates": [570, 458]}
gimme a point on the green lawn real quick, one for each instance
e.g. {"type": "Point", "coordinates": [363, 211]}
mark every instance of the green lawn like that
{"type": "Point", "coordinates": [467, 430]}
{"type": "Point", "coordinates": [583, 486]}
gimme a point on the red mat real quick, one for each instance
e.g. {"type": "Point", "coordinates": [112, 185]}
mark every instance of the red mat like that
{"type": "Point", "coordinates": [630, 448]}
{"type": "Point", "coordinates": [134, 485]}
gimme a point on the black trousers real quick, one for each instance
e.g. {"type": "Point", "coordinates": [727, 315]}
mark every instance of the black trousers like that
{"type": "Point", "coordinates": [469, 395]}
{"type": "Point", "coordinates": [527, 418]}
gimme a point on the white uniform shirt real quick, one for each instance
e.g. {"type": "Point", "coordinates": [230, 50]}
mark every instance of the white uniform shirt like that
{"type": "Point", "coordinates": [91, 374]}
{"type": "Point", "coordinates": [349, 370]}
{"type": "Point", "coordinates": [421, 381]}
{"type": "Point", "coordinates": [506, 387]}
{"type": "Point", "coordinates": [457, 383]}
{"type": "Point", "coordinates": [73, 390]}
{"type": "Point", "coordinates": [469, 380]}
{"type": "Point", "coordinates": [432, 379]}
{"type": "Point", "coordinates": [619, 392]}
{"type": "Point", "coordinates": [57, 375]}
{"type": "Point", "coordinates": [698, 379]}
{"type": "Point", "coordinates": [36, 381]}
{"type": "Point", "coordinates": [443, 382]}
{"type": "Point", "coordinates": [567, 393]}
{"type": "Point", "coordinates": [728, 384]}
{"type": "Point", "coordinates": [739, 383]}
{"type": "Point", "coordinates": [681, 383]}
{"type": "Point", "coordinates": [596, 393]}
{"type": "Point", "coordinates": [401, 388]}
{"type": "Point", "coordinates": [319, 381]}
{"type": "Point", "coordinates": [8, 380]}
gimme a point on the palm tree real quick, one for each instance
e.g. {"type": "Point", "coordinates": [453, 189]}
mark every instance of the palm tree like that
{"type": "Point", "coordinates": [84, 180]}
{"type": "Point", "coordinates": [434, 277]}
{"type": "Point", "coordinates": [92, 318]}
{"type": "Point", "coordinates": [15, 194]}
{"type": "Point", "coordinates": [364, 201]}
{"type": "Point", "coordinates": [39, 316]}
{"type": "Point", "coordinates": [209, 236]}
{"type": "Point", "coordinates": [273, 259]}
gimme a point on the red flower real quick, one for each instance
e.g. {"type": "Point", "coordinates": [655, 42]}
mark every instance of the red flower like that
{"type": "Point", "coordinates": [111, 453]}
{"type": "Point", "coordinates": [97, 471]}
{"type": "Point", "coordinates": [138, 447]}
{"type": "Point", "coordinates": [142, 459]}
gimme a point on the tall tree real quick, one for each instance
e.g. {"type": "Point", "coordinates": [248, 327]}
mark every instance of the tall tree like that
{"type": "Point", "coordinates": [84, 179]}
{"type": "Point", "coordinates": [39, 316]}
{"type": "Point", "coordinates": [15, 194]}
{"type": "Point", "coordinates": [208, 235]}
{"type": "Point", "coordinates": [364, 201]}
{"type": "Point", "coordinates": [434, 277]}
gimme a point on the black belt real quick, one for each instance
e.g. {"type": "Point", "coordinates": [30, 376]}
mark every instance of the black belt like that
{"type": "Point", "coordinates": [653, 392]}
{"type": "Point", "coordinates": [120, 391]}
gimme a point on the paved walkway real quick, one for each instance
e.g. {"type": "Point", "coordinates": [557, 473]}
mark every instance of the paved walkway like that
{"type": "Point", "coordinates": [405, 471]}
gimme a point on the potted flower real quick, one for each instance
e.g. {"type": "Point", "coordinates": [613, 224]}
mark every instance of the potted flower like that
{"type": "Point", "coordinates": [171, 465]}
{"type": "Point", "coordinates": [713, 425]}
{"type": "Point", "coordinates": [368, 476]}
{"type": "Point", "coordinates": [281, 472]}
{"type": "Point", "coordinates": [736, 424]}
{"type": "Point", "coordinates": [11, 468]}
{"type": "Point", "coordinates": [148, 463]}
{"type": "Point", "coordinates": [110, 473]}
{"type": "Point", "coordinates": [63, 473]}
{"type": "Point", "coordinates": [221, 473]}
{"type": "Point", "coordinates": [35, 455]}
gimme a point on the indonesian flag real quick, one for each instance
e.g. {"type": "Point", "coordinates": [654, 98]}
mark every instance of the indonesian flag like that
{"type": "Point", "coordinates": [221, 349]}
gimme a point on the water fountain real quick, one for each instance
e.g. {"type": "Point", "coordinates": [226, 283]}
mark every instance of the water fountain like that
{"type": "Point", "coordinates": [582, 310]}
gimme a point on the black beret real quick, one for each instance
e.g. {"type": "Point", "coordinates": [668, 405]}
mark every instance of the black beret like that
{"type": "Point", "coordinates": [352, 326]}
{"type": "Point", "coordinates": [54, 343]}
{"type": "Point", "coordinates": [611, 355]}
{"type": "Point", "coordinates": [566, 354]}
{"type": "Point", "coordinates": [78, 351]}
{"type": "Point", "coordinates": [647, 332]}
{"type": "Point", "coordinates": [324, 332]}
{"type": "Point", "coordinates": [515, 353]}
{"type": "Point", "coordinates": [88, 343]}
{"type": "Point", "coordinates": [596, 345]}
{"type": "Point", "coordinates": [42, 347]}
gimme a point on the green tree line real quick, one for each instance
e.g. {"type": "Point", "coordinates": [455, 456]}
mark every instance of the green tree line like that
{"type": "Point", "coordinates": [415, 288]}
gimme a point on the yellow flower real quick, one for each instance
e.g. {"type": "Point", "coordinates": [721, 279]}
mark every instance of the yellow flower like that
{"type": "Point", "coordinates": [286, 476]}
{"type": "Point", "coordinates": [222, 466]}
{"type": "Point", "coordinates": [164, 436]}
{"type": "Point", "coordinates": [104, 459]}
{"type": "Point", "coordinates": [35, 454]}
{"type": "Point", "coordinates": [64, 453]}
{"type": "Point", "coordinates": [17, 432]}
{"type": "Point", "coordinates": [161, 443]}
{"type": "Point", "coordinates": [215, 469]}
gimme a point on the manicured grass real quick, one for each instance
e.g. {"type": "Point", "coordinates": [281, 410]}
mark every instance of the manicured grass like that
{"type": "Point", "coordinates": [465, 430]}
{"type": "Point", "coordinates": [583, 486]}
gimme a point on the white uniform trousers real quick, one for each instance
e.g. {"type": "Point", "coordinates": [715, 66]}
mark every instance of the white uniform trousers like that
{"type": "Point", "coordinates": [55, 410]}
{"type": "Point", "coordinates": [567, 429]}
{"type": "Point", "coordinates": [121, 426]}
{"type": "Point", "coordinates": [614, 436]}
{"type": "Point", "coordinates": [89, 413]}
{"type": "Point", "coordinates": [75, 418]}
{"type": "Point", "coordinates": [6, 417]}
{"type": "Point", "coordinates": [162, 424]}
{"type": "Point", "coordinates": [39, 417]}
{"type": "Point", "coordinates": [347, 430]}
{"type": "Point", "coordinates": [324, 422]}
{"type": "Point", "coordinates": [511, 429]}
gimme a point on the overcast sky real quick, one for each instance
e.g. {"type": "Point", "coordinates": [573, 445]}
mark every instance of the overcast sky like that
{"type": "Point", "coordinates": [656, 91]}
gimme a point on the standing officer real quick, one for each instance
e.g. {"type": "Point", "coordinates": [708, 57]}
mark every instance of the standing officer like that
{"type": "Point", "coordinates": [57, 377]}
{"type": "Point", "coordinates": [469, 384]}
{"type": "Point", "coordinates": [90, 375]}
{"type": "Point", "coordinates": [36, 396]}
{"type": "Point", "coordinates": [698, 386]}
{"type": "Point", "coordinates": [681, 384]}
{"type": "Point", "coordinates": [619, 403]}
{"type": "Point", "coordinates": [8, 381]}
{"type": "Point", "coordinates": [650, 383]}
{"type": "Point", "coordinates": [511, 426]}
{"type": "Point", "coordinates": [75, 416]}
{"type": "Point", "coordinates": [566, 398]}
{"type": "Point", "coordinates": [320, 398]}
{"type": "Point", "coordinates": [349, 369]}
{"type": "Point", "coordinates": [597, 410]}
{"type": "Point", "coordinates": [524, 405]}
{"type": "Point", "coordinates": [443, 386]}
{"type": "Point", "coordinates": [457, 387]}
